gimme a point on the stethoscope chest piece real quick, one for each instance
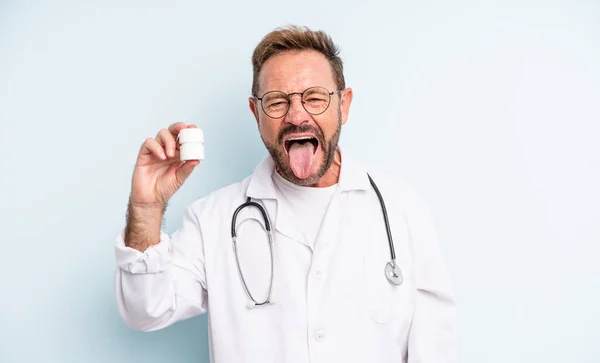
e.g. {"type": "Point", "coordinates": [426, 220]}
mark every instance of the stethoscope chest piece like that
{"type": "Point", "coordinates": [393, 273]}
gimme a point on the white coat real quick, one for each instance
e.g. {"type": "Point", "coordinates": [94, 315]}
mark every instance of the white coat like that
{"type": "Point", "coordinates": [333, 304]}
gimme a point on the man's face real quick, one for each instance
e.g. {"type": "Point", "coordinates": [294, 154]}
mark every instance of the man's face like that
{"type": "Point", "coordinates": [303, 145]}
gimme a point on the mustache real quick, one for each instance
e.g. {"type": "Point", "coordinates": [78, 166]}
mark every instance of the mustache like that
{"type": "Point", "coordinates": [292, 129]}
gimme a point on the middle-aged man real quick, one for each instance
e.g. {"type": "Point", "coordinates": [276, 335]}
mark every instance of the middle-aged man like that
{"type": "Point", "coordinates": [328, 286]}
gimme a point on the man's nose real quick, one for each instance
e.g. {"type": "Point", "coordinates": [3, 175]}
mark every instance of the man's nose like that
{"type": "Point", "coordinates": [297, 115]}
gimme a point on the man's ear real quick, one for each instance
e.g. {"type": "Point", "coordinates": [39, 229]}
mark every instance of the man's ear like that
{"type": "Point", "coordinates": [253, 108]}
{"type": "Point", "coordinates": [346, 101]}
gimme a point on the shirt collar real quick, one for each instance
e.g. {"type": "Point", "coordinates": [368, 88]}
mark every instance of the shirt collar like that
{"type": "Point", "coordinates": [353, 176]}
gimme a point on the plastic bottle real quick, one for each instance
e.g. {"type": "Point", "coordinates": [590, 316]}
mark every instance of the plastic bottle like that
{"type": "Point", "coordinates": [191, 143]}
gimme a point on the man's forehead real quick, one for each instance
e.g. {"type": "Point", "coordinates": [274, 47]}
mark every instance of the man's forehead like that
{"type": "Point", "coordinates": [294, 71]}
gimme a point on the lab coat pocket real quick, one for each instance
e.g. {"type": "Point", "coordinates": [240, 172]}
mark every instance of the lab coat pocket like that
{"type": "Point", "coordinates": [387, 303]}
{"type": "Point", "coordinates": [380, 294]}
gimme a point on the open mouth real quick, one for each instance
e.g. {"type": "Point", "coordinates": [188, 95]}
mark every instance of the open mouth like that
{"type": "Point", "coordinates": [302, 154]}
{"type": "Point", "coordinates": [301, 141]}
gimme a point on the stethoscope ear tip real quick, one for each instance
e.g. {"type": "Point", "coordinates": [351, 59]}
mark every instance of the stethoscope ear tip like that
{"type": "Point", "coordinates": [251, 304]}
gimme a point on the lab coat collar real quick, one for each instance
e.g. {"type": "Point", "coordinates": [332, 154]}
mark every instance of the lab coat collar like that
{"type": "Point", "coordinates": [353, 176]}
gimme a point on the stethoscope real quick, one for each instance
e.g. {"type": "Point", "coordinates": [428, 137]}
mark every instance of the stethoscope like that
{"type": "Point", "coordinates": [392, 270]}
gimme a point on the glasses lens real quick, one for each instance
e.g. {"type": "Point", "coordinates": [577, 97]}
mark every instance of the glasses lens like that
{"type": "Point", "coordinates": [275, 104]}
{"type": "Point", "coordinates": [316, 100]}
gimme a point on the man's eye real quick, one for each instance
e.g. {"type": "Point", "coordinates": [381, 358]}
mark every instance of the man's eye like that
{"type": "Point", "coordinates": [277, 104]}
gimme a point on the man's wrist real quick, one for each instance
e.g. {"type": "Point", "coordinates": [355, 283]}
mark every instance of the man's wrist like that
{"type": "Point", "coordinates": [143, 225]}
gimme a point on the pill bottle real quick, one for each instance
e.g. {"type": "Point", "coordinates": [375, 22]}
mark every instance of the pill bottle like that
{"type": "Point", "coordinates": [191, 143]}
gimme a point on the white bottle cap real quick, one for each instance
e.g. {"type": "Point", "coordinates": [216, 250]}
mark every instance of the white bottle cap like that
{"type": "Point", "coordinates": [191, 135]}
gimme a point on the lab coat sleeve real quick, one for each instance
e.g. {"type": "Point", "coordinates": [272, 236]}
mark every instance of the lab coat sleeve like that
{"type": "Point", "coordinates": [433, 333]}
{"type": "Point", "coordinates": [164, 284]}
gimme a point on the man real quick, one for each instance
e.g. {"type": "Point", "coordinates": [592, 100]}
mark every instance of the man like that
{"type": "Point", "coordinates": [330, 293]}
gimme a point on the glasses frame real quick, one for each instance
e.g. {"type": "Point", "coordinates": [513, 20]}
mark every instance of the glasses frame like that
{"type": "Point", "coordinates": [289, 97]}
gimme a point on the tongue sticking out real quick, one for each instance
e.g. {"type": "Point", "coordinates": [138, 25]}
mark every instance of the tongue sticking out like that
{"type": "Point", "coordinates": [302, 156]}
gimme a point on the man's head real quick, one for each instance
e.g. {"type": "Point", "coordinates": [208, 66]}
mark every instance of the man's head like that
{"type": "Point", "coordinates": [301, 131]}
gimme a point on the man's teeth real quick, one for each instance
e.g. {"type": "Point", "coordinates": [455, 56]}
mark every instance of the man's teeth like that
{"type": "Point", "coordinates": [302, 139]}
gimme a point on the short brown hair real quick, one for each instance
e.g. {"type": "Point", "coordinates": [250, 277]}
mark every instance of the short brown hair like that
{"type": "Point", "coordinates": [292, 38]}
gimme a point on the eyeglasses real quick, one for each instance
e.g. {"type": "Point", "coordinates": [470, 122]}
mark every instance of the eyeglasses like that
{"type": "Point", "coordinates": [315, 101]}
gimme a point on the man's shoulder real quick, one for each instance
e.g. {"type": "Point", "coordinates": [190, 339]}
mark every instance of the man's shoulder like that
{"type": "Point", "coordinates": [398, 188]}
{"type": "Point", "coordinates": [394, 186]}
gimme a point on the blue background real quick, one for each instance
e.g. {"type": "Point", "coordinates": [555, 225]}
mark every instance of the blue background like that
{"type": "Point", "coordinates": [489, 108]}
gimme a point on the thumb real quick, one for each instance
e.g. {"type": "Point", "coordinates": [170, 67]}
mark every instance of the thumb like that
{"type": "Point", "coordinates": [185, 169]}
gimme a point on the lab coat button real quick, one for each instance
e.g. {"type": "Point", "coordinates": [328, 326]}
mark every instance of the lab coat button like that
{"type": "Point", "coordinates": [318, 273]}
{"type": "Point", "coordinates": [320, 336]}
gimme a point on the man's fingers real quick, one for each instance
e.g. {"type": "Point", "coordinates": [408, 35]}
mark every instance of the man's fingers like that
{"type": "Point", "coordinates": [166, 139]}
{"type": "Point", "coordinates": [151, 146]}
{"type": "Point", "coordinates": [176, 127]}
{"type": "Point", "coordinates": [173, 131]}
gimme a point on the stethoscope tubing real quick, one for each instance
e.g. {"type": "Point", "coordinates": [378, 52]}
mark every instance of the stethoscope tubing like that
{"type": "Point", "coordinates": [235, 250]}
{"type": "Point", "coordinates": [392, 270]}
{"type": "Point", "coordinates": [385, 219]}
